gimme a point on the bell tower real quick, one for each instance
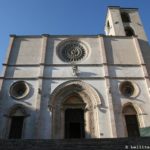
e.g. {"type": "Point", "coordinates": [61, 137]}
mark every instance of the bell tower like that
{"type": "Point", "coordinates": [124, 22]}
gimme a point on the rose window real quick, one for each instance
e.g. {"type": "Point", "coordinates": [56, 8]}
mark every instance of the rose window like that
{"type": "Point", "coordinates": [72, 51]}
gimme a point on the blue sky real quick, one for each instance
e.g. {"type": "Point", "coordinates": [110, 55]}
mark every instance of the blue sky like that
{"type": "Point", "coordinates": [34, 17]}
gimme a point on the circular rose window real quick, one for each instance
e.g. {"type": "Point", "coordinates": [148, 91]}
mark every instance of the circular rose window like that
{"type": "Point", "coordinates": [19, 90]}
{"type": "Point", "coordinates": [72, 51]}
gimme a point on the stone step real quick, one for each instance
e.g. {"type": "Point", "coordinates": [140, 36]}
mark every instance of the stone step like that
{"type": "Point", "coordinates": [77, 144]}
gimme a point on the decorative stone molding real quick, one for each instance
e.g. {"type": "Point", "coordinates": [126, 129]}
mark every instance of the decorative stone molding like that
{"type": "Point", "coordinates": [10, 112]}
{"type": "Point", "coordinates": [72, 50]}
{"type": "Point", "coordinates": [139, 110]}
{"type": "Point", "coordinates": [12, 109]}
{"type": "Point", "coordinates": [132, 108]}
{"type": "Point", "coordinates": [78, 85]}
{"type": "Point", "coordinates": [91, 100]}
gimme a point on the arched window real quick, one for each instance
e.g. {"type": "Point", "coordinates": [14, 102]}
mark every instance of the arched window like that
{"type": "Point", "coordinates": [16, 124]}
{"type": "Point", "coordinates": [129, 31]}
{"type": "Point", "coordinates": [125, 17]}
{"type": "Point", "coordinates": [130, 116]}
{"type": "Point", "coordinates": [108, 25]}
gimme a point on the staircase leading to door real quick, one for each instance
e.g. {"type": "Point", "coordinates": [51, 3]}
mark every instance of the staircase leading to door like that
{"type": "Point", "coordinates": [77, 144]}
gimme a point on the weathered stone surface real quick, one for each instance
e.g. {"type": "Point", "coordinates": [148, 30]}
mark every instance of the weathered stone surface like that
{"type": "Point", "coordinates": [105, 63]}
{"type": "Point", "coordinates": [77, 144]}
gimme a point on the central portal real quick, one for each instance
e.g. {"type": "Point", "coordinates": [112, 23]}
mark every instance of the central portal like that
{"type": "Point", "coordinates": [74, 123]}
{"type": "Point", "coordinates": [74, 106]}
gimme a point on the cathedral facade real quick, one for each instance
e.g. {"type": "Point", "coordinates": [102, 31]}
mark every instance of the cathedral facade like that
{"type": "Point", "coordinates": [85, 86]}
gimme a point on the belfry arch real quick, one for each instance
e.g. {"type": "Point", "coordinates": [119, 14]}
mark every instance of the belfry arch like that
{"type": "Point", "coordinates": [75, 95]}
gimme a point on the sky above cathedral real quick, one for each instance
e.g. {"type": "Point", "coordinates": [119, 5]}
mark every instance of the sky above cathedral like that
{"type": "Point", "coordinates": [60, 17]}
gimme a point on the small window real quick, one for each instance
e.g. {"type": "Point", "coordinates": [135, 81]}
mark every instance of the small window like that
{"type": "Point", "coordinates": [127, 89]}
{"type": "Point", "coordinates": [125, 17]}
{"type": "Point", "coordinates": [129, 31]}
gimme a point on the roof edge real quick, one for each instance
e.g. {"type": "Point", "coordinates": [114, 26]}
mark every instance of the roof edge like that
{"type": "Point", "coordinates": [66, 36]}
{"type": "Point", "coordinates": [122, 7]}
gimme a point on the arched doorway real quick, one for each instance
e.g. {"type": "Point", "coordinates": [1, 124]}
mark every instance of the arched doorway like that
{"type": "Point", "coordinates": [74, 105]}
{"type": "Point", "coordinates": [131, 121]}
{"type": "Point", "coordinates": [16, 121]}
{"type": "Point", "coordinates": [16, 126]}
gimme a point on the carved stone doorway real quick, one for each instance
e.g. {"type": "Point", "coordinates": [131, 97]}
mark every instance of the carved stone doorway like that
{"type": "Point", "coordinates": [74, 106]}
{"type": "Point", "coordinates": [74, 123]}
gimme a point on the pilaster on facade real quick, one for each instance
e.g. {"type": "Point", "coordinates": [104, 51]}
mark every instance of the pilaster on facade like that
{"type": "Point", "coordinates": [40, 88]}
{"type": "Point", "coordinates": [8, 55]}
{"type": "Point", "coordinates": [142, 62]}
{"type": "Point", "coordinates": [108, 85]}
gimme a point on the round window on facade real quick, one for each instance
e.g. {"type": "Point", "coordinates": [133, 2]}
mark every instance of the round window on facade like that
{"type": "Point", "coordinates": [19, 90]}
{"type": "Point", "coordinates": [72, 51]}
{"type": "Point", "coordinates": [127, 89]}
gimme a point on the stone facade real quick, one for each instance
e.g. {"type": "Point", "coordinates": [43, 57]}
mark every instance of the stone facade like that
{"type": "Point", "coordinates": [43, 77]}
